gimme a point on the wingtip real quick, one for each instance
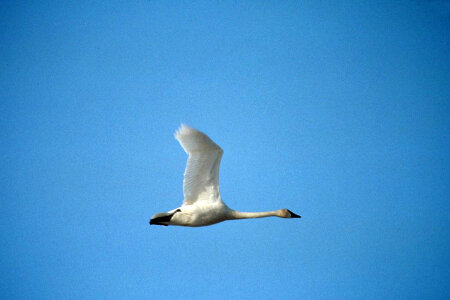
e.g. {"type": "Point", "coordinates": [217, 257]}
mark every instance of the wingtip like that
{"type": "Point", "coordinates": [193, 140]}
{"type": "Point", "coordinates": [182, 130]}
{"type": "Point", "coordinates": [179, 130]}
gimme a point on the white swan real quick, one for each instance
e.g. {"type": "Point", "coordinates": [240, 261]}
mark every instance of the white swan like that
{"type": "Point", "coordinates": [202, 203]}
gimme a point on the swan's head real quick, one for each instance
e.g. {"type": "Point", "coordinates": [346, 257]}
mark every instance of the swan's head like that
{"type": "Point", "coordinates": [286, 213]}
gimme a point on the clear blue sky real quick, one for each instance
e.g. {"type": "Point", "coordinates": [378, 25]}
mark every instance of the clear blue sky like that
{"type": "Point", "coordinates": [336, 110]}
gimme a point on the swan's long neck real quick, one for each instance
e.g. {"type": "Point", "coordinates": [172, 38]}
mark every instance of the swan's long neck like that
{"type": "Point", "coordinates": [250, 215]}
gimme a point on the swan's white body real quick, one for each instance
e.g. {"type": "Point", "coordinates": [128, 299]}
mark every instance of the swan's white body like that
{"type": "Point", "coordinates": [202, 203]}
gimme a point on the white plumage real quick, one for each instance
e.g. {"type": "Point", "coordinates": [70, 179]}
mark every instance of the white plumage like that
{"type": "Point", "coordinates": [201, 177]}
{"type": "Point", "coordinates": [202, 203]}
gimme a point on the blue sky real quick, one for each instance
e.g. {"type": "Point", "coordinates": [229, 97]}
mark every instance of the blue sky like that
{"type": "Point", "coordinates": [338, 111]}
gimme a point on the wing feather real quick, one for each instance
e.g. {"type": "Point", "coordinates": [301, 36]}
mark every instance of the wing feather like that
{"type": "Point", "coordinates": [201, 177]}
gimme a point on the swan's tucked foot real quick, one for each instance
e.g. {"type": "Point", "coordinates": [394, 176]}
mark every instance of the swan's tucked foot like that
{"type": "Point", "coordinates": [162, 218]}
{"type": "Point", "coordinates": [293, 215]}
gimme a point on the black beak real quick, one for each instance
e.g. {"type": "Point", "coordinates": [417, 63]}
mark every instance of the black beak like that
{"type": "Point", "coordinates": [294, 215]}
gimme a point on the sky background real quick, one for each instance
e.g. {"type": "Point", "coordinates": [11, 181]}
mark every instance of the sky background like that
{"type": "Point", "coordinates": [336, 110]}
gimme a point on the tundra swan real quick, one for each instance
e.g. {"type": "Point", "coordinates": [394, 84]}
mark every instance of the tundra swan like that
{"type": "Point", "coordinates": [202, 203]}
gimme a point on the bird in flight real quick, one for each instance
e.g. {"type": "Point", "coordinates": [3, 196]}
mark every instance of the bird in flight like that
{"type": "Point", "coordinates": [202, 205]}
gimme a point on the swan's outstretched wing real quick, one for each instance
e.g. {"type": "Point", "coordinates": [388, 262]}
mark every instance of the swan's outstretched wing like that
{"type": "Point", "coordinates": [201, 177]}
